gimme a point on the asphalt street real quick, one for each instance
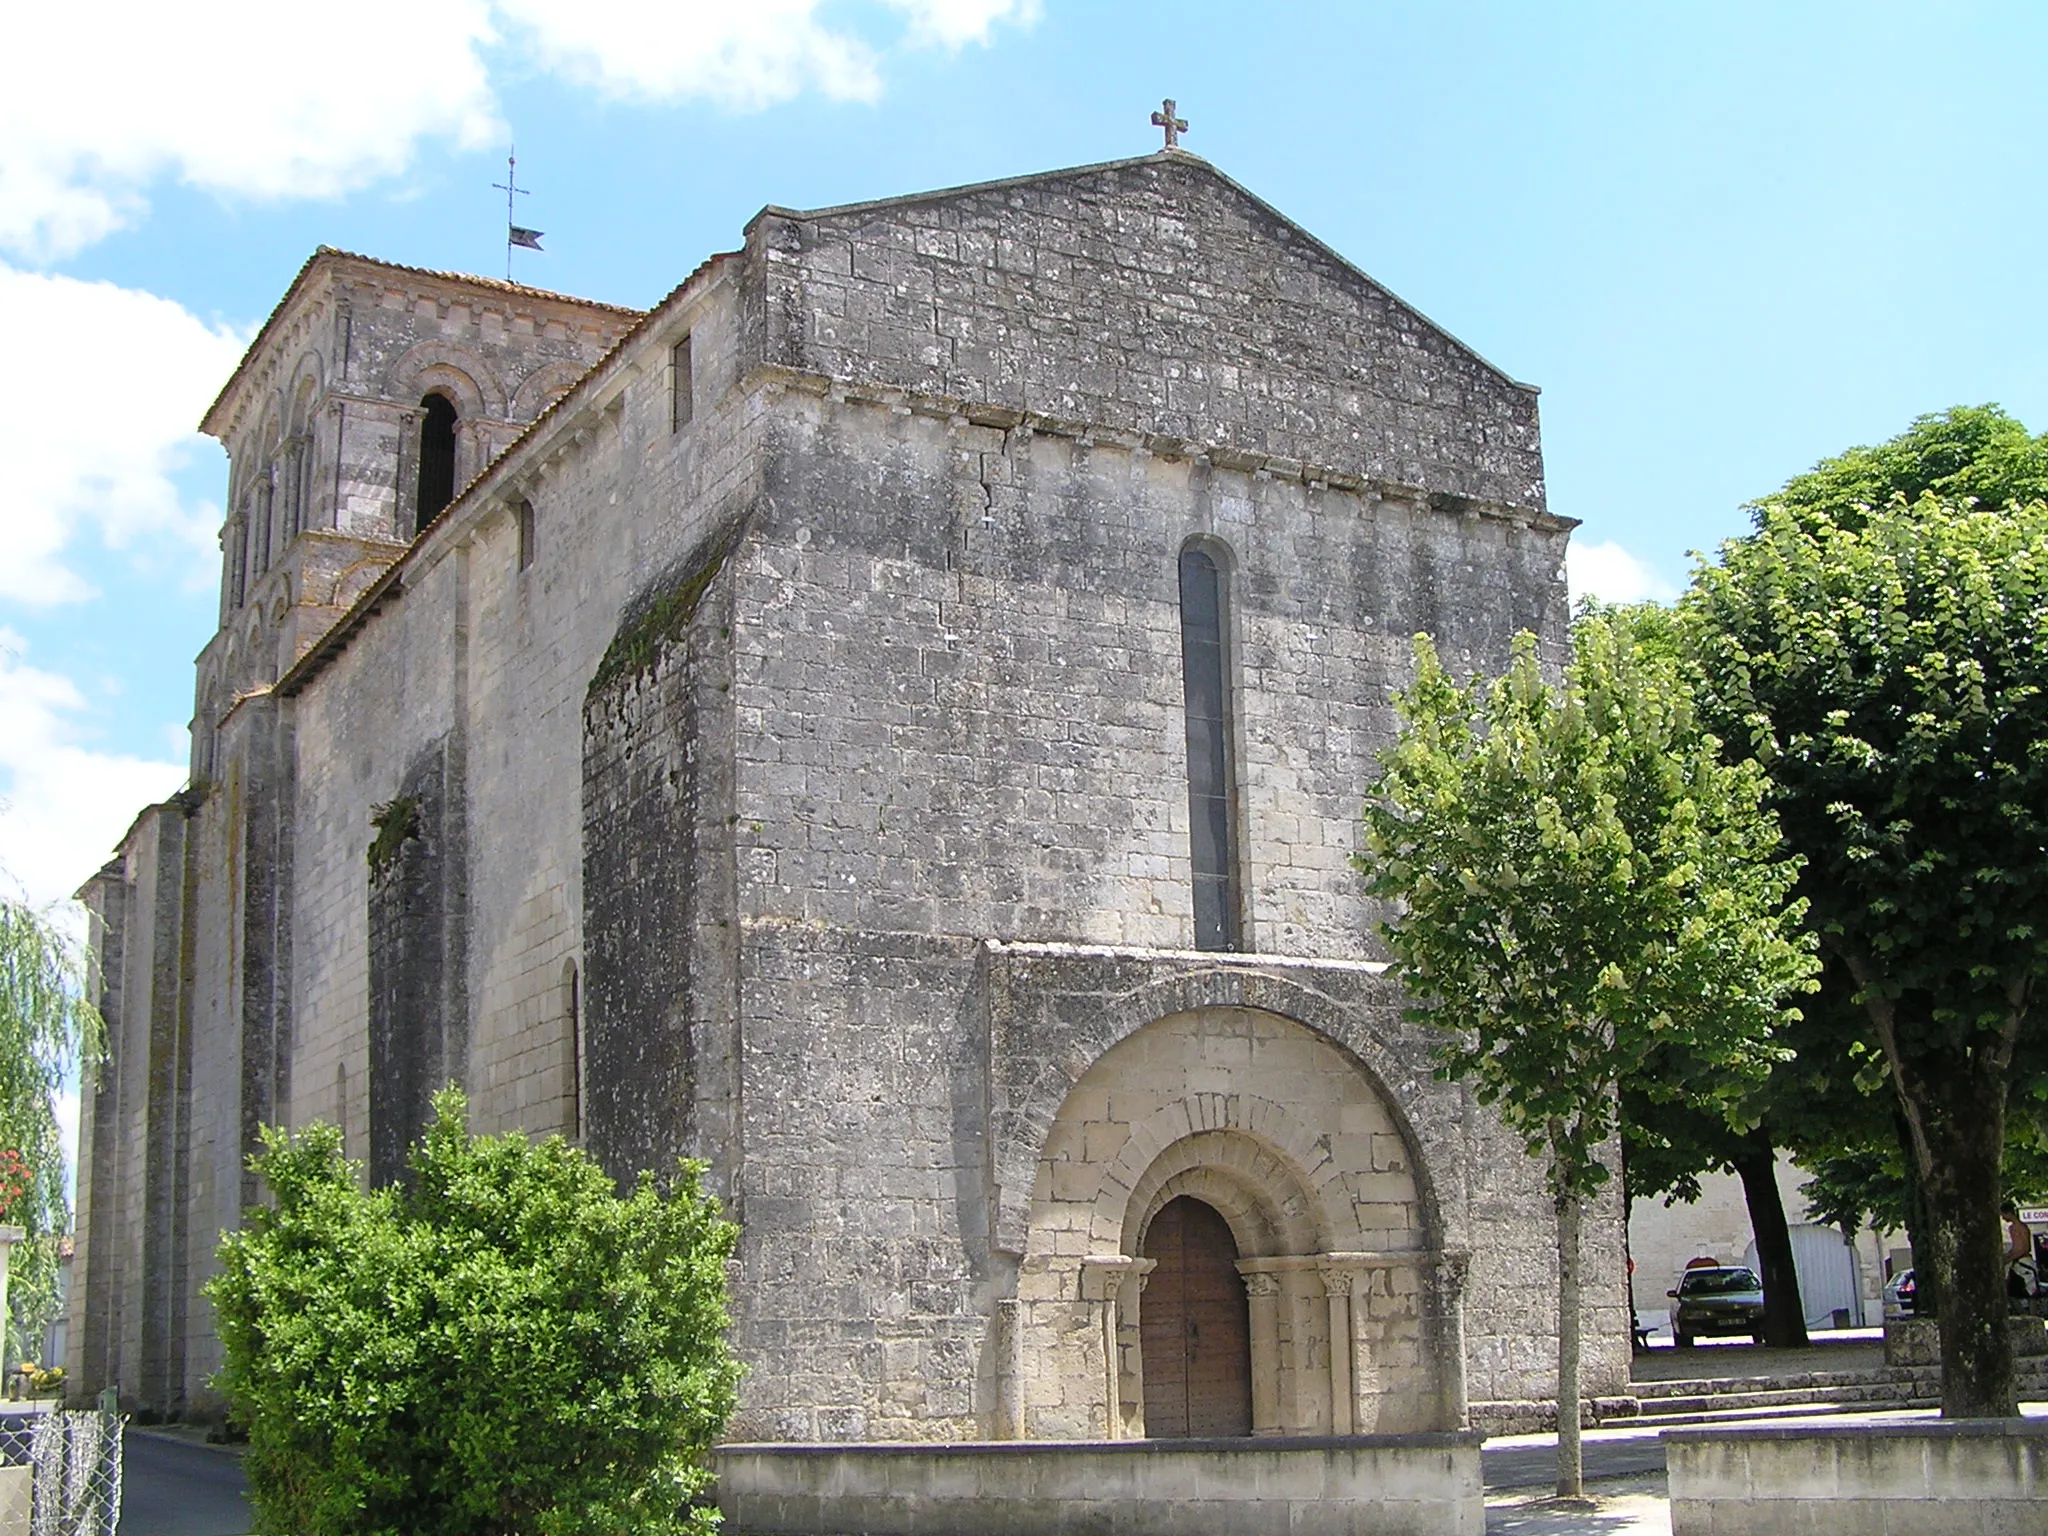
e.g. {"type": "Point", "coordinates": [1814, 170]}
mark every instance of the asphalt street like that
{"type": "Point", "coordinates": [179, 1487]}
{"type": "Point", "coordinates": [1530, 1461]}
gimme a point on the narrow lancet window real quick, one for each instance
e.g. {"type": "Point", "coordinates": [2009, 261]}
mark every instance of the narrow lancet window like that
{"type": "Point", "coordinates": [682, 386]}
{"type": "Point", "coordinates": [437, 458]}
{"type": "Point", "coordinates": [1211, 784]}
{"type": "Point", "coordinates": [522, 513]}
{"type": "Point", "coordinates": [572, 1052]}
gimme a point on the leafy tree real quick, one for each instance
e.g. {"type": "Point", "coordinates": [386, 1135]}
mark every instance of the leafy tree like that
{"type": "Point", "coordinates": [48, 1032]}
{"type": "Point", "coordinates": [503, 1345]}
{"type": "Point", "coordinates": [1668, 1146]}
{"type": "Point", "coordinates": [1970, 453]}
{"type": "Point", "coordinates": [1885, 661]}
{"type": "Point", "coordinates": [1578, 881]}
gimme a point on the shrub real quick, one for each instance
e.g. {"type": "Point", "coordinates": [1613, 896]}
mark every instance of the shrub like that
{"type": "Point", "coordinates": [505, 1346]}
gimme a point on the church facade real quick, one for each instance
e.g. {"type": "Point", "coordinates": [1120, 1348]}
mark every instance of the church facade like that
{"type": "Point", "coordinates": [889, 721]}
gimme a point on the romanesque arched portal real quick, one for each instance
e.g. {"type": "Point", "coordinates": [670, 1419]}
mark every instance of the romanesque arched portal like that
{"type": "Point", "coordinates": [1237, 1129]}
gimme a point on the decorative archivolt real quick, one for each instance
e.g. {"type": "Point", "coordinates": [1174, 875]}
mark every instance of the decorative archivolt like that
{"type": "Point", "coordinates": [1024, 1122]}
{"type": "Point", "coordinates": [445, 368]}
{"type": "Point", "coordinates": [308, 375]}
{"type": "Point", "coordinates": [543, 387]}
{"type": "Point", "coordinates": [1266, 1195]}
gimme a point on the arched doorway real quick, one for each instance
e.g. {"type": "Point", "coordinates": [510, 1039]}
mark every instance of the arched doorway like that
{"type": "Point", "coordinates": [1194, 1326]}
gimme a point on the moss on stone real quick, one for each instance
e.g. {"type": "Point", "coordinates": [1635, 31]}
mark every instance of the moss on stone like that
{"type": "Point", "coordinates": [396, 820]}
{"type": "Point", "coordinates": [658, 621]}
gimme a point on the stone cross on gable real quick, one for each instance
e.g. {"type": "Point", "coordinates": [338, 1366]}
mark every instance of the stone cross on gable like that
{"type": "Point", "coordinates": [1174, 126]}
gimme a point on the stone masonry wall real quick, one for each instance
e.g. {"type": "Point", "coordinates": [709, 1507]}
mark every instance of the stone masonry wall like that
{"type": "Point", "coordinates": [958, 688]}
{"type": "Point", "coordinates": [1156, 296]}
{"type": "Point", "coordinates": [948, 707]}
{"type": "Point", "coordinates": [656, 838]}
{"type": "Point", "coordinates": [504, 654]}
{"type": "Point", "coordinates": [418, 939]}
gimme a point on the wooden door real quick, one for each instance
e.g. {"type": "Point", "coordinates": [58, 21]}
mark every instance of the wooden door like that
{"type": "Point", "coordinates": [1194, 1327]}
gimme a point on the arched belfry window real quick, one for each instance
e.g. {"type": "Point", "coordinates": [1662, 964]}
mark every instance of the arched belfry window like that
{"type": "Point", "coordinates": [437, 458]}
{"type": "Point", "coordinates": [1212, 785]}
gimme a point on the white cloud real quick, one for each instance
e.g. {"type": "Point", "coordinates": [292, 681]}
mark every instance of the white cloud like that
{"type": "Point", "coordinates": [97, 102]}
{"type": "Point", "coordinates": [78, 459]}
{"type": "Point", "coordinates": [63, 805]}
{"type": "Point", "coordinates": [1612, 574]}
{"type": "Point", "coordinates": [741, 56]}
{"type": "Point", "coordinates": [957, 22]}
{"type": "Point", "coordinates": [745, 56]}
{"type": "Point", "coordinates": [247, 97]}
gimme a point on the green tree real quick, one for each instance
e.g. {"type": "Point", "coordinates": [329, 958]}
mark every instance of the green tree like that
{"type": "Point", "coordinates": [49, 1033]}
{"type": "Point", "coordinates": [1667, 1145]}
{"type": "Point", "coordinates": [1885, 661]}
{"type": "Point", "coordinates": [1578, 881]}
{"type": "Point", "coordinates": [503, 1345]}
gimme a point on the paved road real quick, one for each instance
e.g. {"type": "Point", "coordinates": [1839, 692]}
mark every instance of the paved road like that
{"type": "Point", "coordinates": [172, 1487]}
{"type": "Point", "coordinates": [1530, 1461]}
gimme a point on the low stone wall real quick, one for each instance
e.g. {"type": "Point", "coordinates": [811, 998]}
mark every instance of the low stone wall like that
{"type": "Point", "coordinates": [1917, 1340]}
{"type": "Point", "coordinates": [1960, 1477]}
{"type": "Point", "coordinates": [1386, 1485]}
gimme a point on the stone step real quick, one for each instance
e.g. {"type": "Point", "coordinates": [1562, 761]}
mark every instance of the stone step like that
{"type": "Point", "coordinates": [1764, 1414]}
{"type": "Point", "coordinates": [1712, 1386]}
{"type": "Point", "coordinates": [1852, 1395]}
{"type": "Point", "coordinates": [1761, 1398]}
{"type": "Point", "coordinates": [1704, 1399]}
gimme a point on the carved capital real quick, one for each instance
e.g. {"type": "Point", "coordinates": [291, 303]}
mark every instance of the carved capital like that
{"type": "Point", "coordinates": [1452, 1268]}
{"type": "Point", "coordinates": [1260, 1283]}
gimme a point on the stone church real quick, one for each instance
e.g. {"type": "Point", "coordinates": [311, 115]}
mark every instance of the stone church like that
{"type": "Point", "coordinates": [890, 721]}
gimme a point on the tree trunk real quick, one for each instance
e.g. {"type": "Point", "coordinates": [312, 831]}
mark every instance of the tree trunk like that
{"type": "Point", "coordinates": [1961, 1116]}
{"type": "Point", "coordinates": [1919, 1224]}
{"type": "Point", "coordinates": [1784, 1310]}
{"type": "Point", "coordinates": [1571, 1472]}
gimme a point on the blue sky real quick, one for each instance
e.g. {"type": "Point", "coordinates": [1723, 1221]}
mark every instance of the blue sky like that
{"type": "Point", "coordinates": [1726, 240]}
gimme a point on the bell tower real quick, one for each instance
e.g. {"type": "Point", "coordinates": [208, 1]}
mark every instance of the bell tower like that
{"type": "Point", "coordinates": [372, 395]}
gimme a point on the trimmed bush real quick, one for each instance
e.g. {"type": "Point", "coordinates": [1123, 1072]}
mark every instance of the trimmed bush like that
{"type": "Point", "coordinates": [504, 1346]}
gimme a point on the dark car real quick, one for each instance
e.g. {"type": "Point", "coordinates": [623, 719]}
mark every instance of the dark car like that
{"type": "Point", "coordinates": [1724, 1299]}
{"type": "Point", "coordinates": [1901, 1295]}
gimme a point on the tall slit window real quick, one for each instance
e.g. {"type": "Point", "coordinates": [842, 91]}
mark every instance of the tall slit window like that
{"type": "Point", "coordinates": [437, 458]}
{"type": "Point", "coordinates": [572, 1052]}
{"type": "Point", "coordinates": [1212, 821]}
{"type": "Point", "coordinates": [682, 397]}
{"type": "Point", "coordinates": [522, 515]}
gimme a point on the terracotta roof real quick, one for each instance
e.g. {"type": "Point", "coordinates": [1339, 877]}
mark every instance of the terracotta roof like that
{"type": "Point", "coordinates": [333, 253]}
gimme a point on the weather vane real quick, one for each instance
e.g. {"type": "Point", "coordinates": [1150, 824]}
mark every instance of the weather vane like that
{"type": "Point", "coordinates": [1174, 126]}
{"type": "Point", "coordinates": [514, 233]}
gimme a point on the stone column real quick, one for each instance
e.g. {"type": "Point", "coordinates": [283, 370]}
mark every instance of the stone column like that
{"type": "Point", "coordinates": [1337, 1287]}
{"type": "Point", "coordinates": [1444, 1329]}
{"type": "Point", "coordinates": [1263, 1293]}
{"type": "Point", "coordinates": [1102, 1280]}
{"type": "Point", "coordinates": [1006, 1344]}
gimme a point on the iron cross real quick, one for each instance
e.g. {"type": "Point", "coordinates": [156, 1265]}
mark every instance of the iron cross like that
{"type": "Point", "coordinates": [511, 188]}
{"type": "Point", "coordinates": [1174, 126]}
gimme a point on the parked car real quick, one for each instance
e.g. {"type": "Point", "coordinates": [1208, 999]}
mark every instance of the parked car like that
{"type": "Point", "coordinates": [1727, 1298]}
{"type": "Point", "coordinates": [1901, 1295]}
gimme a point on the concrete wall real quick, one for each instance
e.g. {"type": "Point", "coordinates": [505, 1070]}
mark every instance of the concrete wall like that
{"type": "Point", "coordinates": [1971, 1477]}
{"type": "Point", "coordinates": [1411, 1485]}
